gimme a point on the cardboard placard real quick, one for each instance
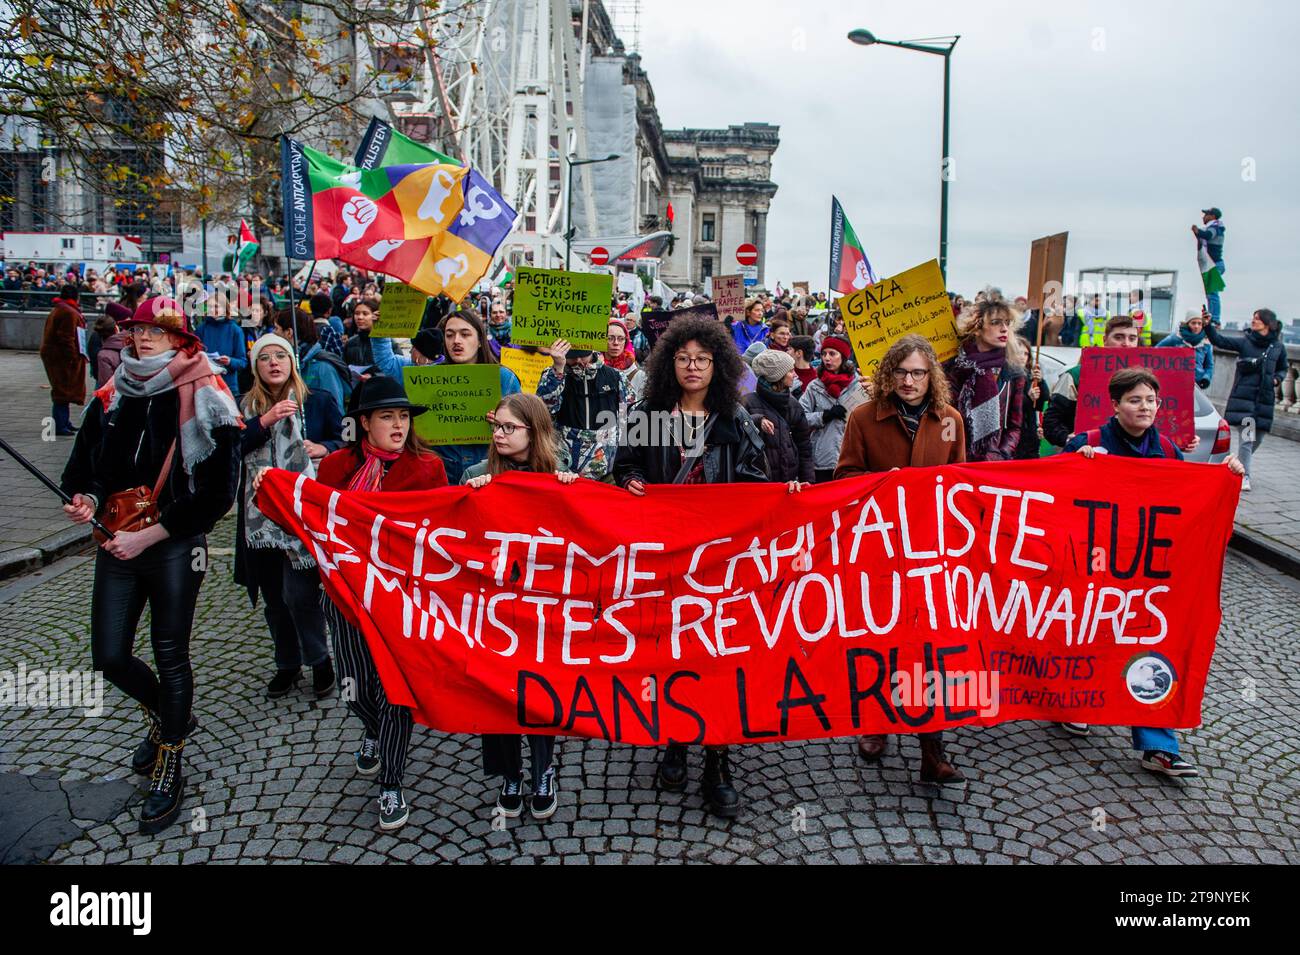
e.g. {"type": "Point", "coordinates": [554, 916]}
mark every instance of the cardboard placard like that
{"type": "Point", "coordinates": [800, 287]}
{"type": "Point", "coordinates": [1174, 368]}
{"type": "Point", "coordinates": [655, 321]}
{"type": "Point", "coordinates": [911, 302]}
{"type": "Point", "coordinates": [458, 397]}
{"type": "Point", "coordinates": [729, 295]}
{"type": "Point", "coordinates": [551, 304]}
{"type": "Point", "coordinates": [401, 309]}
{"type": "Point", "coordinates": [528, 366]}
{"type": "Point", "coordinates": [1047, 271]}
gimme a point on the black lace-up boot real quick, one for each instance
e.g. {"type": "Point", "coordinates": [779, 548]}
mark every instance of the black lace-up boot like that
{"type": "Point", "coordinates": [162, 804]}
{"type": "Point", "coordinates": [719, 793]}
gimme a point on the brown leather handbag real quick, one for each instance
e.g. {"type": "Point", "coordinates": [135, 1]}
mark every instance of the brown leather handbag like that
{"type": "Point", "coordinates": [136, 508]}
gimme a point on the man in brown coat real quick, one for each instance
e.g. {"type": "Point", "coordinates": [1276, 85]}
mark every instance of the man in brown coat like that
{"type": "Point", "coordinates": [62, 356]}
{"type": "Point", "coordinates": [910, 423]}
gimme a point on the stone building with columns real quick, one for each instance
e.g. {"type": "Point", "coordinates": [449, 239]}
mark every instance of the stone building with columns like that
{"type": "Point", "coordinates": [720, 186]}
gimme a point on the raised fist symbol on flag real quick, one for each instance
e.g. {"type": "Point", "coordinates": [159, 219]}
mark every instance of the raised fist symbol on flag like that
{"type": "Point", "coordinates": [861, 278]}
{"type": "Point", "coordinates": [358, 213]}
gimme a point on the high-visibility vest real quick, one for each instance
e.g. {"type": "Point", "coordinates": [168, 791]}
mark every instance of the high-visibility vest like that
{"type": "Point", "coordinates": [1094, 327]}
{"type": "Point", "coordinates": [1143, 326]}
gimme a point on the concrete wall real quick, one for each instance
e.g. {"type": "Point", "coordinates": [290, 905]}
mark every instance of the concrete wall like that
{"type": "Point", "coordinates": [21, 331]}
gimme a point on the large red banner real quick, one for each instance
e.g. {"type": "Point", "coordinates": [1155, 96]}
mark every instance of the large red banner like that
{"type": "Point", "coordinates": [1063, 589]}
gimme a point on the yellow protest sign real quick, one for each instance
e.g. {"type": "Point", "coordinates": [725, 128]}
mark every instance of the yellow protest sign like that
{"type": "Point", "coordinates": [527, 366]}
{"type": "Point", "coordinates": [914, 302]}
{"type": "Point", "coordinates": [400, 310]}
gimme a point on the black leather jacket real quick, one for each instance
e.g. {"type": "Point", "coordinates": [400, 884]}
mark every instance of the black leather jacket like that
{"type": "Point", "coordinates": [734, 453]}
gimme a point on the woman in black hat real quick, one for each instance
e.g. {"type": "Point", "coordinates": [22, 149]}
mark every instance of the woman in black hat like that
{"type": "Point", "coordinates": [385, 456]}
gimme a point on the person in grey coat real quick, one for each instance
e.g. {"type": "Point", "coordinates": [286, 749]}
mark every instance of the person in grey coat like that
{"type": "Point", "coordinates": [1261, 366]}
{"type": "Point", "coordinates": [827, 401]}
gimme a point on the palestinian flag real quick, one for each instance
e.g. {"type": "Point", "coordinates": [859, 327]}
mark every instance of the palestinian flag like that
{"type": "Point", "coordinates": [433, 225]}
{"type": "Point", "coordinates": [850, 268]}
{"type": "Point", "coordinates": [1210, 274]}
{"type": "Point", "coordinates": [245, 249]}
{"type": "Point", "coordinates": [384, 146]}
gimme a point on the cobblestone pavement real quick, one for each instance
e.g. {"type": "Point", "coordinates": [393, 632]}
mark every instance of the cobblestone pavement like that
{"type": "Point", "coordinates": [275, 783]}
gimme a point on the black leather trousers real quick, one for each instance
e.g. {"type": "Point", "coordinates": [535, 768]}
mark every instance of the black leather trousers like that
{"type": "Point", "coordinates": [165, 577]}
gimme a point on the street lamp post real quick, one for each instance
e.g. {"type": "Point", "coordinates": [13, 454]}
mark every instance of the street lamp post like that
{"type": "Point", "coordinates": [568, 202]}
{"type": "Point", "coordinates": [943, 48]}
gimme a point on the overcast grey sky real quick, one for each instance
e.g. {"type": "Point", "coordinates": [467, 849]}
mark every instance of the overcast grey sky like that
{"type": "Point", "coordinates": [1116, 122]}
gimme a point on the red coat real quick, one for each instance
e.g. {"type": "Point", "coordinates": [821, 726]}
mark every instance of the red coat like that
{"type": "Point", "coordinates": [408, 473]}
{"type": "Point", "coordinates": [65, 365]}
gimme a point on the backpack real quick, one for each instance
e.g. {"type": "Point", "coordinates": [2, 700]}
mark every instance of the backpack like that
{"type": "Point", "coordinates": [1167, 446]}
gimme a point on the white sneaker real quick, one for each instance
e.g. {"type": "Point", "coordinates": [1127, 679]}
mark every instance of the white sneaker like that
{"type": "Point", "coordinates": [1245, 484]}
{"type": "Point", "coordinates": [1075, 729]}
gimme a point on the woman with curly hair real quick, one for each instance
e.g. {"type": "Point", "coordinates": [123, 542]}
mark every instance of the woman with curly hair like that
{"type": "Point", "coordinates": [988, 380]}
{"type": "Point", "coordinates": [692, 379]}
{"type": "Point", "coordinates": [910, 422]}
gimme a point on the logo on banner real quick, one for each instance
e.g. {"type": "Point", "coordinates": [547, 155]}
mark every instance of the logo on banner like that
{"type": "Point", "coordinates": [1150, 678]}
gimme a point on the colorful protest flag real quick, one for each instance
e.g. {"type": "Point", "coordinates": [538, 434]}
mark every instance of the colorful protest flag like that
{"type": "Point", "coordinates": [1211, 277]}
{"type": "Point", "coordinates": [850, 268]}
{"type": "Point", "coordinates": [433, 225]}
{"type": "Point", "coordinates": [246, 248]}
{"type": "Point", "coordinates": [910, 601]}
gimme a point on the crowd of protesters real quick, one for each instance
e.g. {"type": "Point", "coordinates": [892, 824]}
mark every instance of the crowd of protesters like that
{"type": "Point", "coordinates": [197, 396]}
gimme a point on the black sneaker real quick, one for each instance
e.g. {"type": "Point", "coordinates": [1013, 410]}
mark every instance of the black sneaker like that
{"type": "Point", "coordinates": [1167, 764]}
{"type": "Point", "coordinates": [283, 682]}
{"type": "Point", "coordinates": [368, 757]}
{"type": "Point", "coordinates": [322, 679]}
{"type": "Point", "coordinates": [393, 811]}
{"type": "Point", "coordinates": [546, 797]}
{"type": "Point", "coordinates": [510, 801]}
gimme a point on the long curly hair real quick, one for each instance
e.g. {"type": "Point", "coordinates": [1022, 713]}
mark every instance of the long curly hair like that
{"type": "Point", "coordinates": [662, 391]}
{"type": "Point", "coordinates": [940, 394]}
{"type": "Point", "coordinates": [987, 309]}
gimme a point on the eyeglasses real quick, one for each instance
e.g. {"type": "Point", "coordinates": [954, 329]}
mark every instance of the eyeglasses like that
{"type": "Point", "coordinates": [270, 356]}
{"type": "Point", "coordinates": [1143, 402]}
{"type": "Point", "coordinates": [686, 361]}
{"type": "Point", "coordinates": [506, 427]}
{"type": "Point", "coordinates": [999, 323]}
{"type": "Point", "coordinates": [913, 374]}
{"type": "Point", "coordinates": [148, 331]}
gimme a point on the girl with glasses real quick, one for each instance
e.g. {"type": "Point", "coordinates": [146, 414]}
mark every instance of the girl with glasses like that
{"type": "Point", "coordinates": [523, 439]}
{"type": "Point", "coordinates": [1131, 433]}
{"type": "Point", "coordinates": [692, 379]}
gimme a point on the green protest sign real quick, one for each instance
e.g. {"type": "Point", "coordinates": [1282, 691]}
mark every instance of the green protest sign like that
{"type": "Point", "coordinates": [458, 397]}
{"type": "Point", "coordinates": [551, 304]}
{"type": "Point", "coordinates": [400, 311]}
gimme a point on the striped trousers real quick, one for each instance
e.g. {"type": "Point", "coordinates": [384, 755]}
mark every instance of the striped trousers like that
{"type": "Point", "coordinates": [364, 694]}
